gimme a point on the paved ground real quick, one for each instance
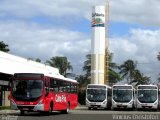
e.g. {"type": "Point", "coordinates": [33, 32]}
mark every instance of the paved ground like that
{"type": "Point", "coordinates": [82, 113]}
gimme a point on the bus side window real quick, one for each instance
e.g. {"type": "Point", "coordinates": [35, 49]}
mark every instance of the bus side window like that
{"type": "Point", "coordinates": [47, 86]}
{"type": "Point", "coordinates": [56, 85]}
{"type": "Point", "coordinates": [60, 86]}
{"type": "Point", "coordinates": [52, 85]}
{"type": "Point", "coordinates": [73, 88]}
{"type": "Point", "coordinates": [68, 87]}
{"type": "Point", "coordinates": [64, 86]}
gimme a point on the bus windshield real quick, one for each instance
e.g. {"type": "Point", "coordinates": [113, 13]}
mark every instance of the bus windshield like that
{"type": "Point", "coordinates": [27, 89]}
{"type": "Point", "coordinates": [96, 95]}
{"type": "Point", "coordinates": [122, 95]}
{"type": "Point", "coordinates": [147, 96]}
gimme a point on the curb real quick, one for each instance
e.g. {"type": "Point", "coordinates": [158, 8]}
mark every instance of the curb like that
{"type": "Point", "coordinates": [12, 112]}
{"type": "Point", "coordinates": [8, 112]}
{"type": "Point", "coordinates": [80, 107]}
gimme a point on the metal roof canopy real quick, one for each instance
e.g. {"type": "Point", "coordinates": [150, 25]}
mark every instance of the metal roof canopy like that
{"type": "Point", "coordinates": [10, 64]}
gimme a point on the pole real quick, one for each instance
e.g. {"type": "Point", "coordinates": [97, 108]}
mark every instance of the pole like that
{"type": "Point", "coordinates": [107, 44]}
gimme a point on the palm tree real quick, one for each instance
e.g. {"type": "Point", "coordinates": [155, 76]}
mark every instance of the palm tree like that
{"type": "Point", "coordinates": [61, 63]}
{"type": "Point", "coordinates": [87, 66]}
{"type": "Point", "coordinates": [158, 57]}
{"type": "Point", "coordinates": [4, 47]}
{"type": "Point", "coordinates": [113, 75]}
{"type": "Point", "coordinates": [128, 69]}
{"type": "Point", "coordinates": [38, 60]}
{"type": "Point", "coordinates": [139, 78]}
{"type": "Point", "coordinates": [144, 79]}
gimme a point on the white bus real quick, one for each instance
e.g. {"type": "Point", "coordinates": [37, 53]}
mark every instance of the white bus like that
{"type": "Point", "coordinates": [159, 98]}
{"type": "Point", "coordinates": [98, 96]}
{"type": "Point", "coordinates": [147, 97]}
{"type": "Point", "coordinates": [122, 96]}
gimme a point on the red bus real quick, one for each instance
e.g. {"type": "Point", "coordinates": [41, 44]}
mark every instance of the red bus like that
{"type": "Point", "coordinates": [44, 93]}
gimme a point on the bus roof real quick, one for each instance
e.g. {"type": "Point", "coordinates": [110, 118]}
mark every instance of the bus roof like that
{"type": "Point", "coordinates": [99, 85]}
{"type": "Point", "coordinates": [123, 85]}
{"type": "Point", "coordinates": [149, 86]}
{"type": "Point", "coordinates": [54, 75]}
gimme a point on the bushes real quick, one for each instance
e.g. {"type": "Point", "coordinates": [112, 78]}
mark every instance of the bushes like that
{"type": "Point", "coordinates": [82, 97]}
{"type": "Point", "coordinates": [4, 107]}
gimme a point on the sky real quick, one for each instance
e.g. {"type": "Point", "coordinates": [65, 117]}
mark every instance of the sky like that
{"type": "Point", "coordinates": [48, 28]}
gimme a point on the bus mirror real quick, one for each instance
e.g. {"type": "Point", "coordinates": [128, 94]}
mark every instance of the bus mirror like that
{"type": "Point", "coordinates": [9, 97]}
{"type": "Point", "coordinates": [47, 91]}
{"type": "Point", "coordinates": [9, 84]}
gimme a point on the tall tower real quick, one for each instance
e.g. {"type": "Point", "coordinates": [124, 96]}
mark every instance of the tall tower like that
{"type": "Point", "coordinates": [98, 45]}
{"type": "Point", "coordinates": [107, 43]}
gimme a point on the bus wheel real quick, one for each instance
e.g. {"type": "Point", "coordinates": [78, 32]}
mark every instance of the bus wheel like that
{"type": "Point", "coordinates": [22, 112]}
{"type": "Point", "coordinates": [47, 113]}
{"type": "Point", "coordinates": [89, 108]}
{"type": "Point", "coordinates": [67, 110]}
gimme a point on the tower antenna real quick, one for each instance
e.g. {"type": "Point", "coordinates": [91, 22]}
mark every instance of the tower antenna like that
{"type": "Point", "coordinates": [107, 43]}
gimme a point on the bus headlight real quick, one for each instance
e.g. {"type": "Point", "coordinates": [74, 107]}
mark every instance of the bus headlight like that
{"type": "Point", "coordinates": [13, 101]}
{"type": "Point", "coordinates": [104, 102]}
{"type": "Point", "coordinates": [40, 102]}
{"type": "Point", "coordinates": [155, 103]}
{"type": "Point", "coordinates": [87, 102]}
{"type": "Point", "coordinates": [131, 102]}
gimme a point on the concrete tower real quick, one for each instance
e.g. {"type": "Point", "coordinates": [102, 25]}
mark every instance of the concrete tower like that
{"type": "Point", "coordinates": [98, 45]}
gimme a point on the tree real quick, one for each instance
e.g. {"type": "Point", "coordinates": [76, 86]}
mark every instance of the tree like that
{"type": "Point", "coordinates": [158, 57]}
{"type": "Point", "coordinates": [139, 78]}
{"type": "Point", "coordinates": [127, 70]}
{"type": "Point", "coordinates": [4, 47]}
{"type": "Point", "coordinates": [61, 63]}
{"type": "Point", "coordinates": [38, 60]}
{"type": "Point", "coordinates": [87, 66]}
{"type": "Point", "coordinates": [113, 75]}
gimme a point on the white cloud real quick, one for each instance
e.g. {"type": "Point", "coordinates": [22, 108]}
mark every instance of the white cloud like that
{"type": "Point", "coordinates": [135, 11]}
{"type": "Point", "coordinates": [131, 11]}
{"type": "Point", "coordinates": [142, 46]}
{"type": "Point", "coordinates": [50, 8]}
{"type": "Point", "coordinates": [32, 41]}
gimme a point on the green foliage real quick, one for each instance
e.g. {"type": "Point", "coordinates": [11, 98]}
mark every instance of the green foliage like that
{"type": "Point", "coordinates": [4, 107]}
{"type": "Point", "coordinates": [82, 97]}
{"type": "Point", "coordinates": [114, 77]}
{"type": "Point", "coordinates": [113, 67]}
{"type": "Point", "coordinates": [158, 57]}
{"type": "Point", "coordinates": [87, 67]}
{"type": "Point", "coordinates": [38, 60]}
{"type": "Point", "coordinates": [128, 70]}
{"type": "Point", "coordinates": [61, 63]}
{"type": "Point", "coordinates": [4, 47]}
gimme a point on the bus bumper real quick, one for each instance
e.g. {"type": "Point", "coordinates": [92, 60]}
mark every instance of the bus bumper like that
{"type": "Point", "coordinates": [96, 104]}
{"type": "Point", "coordinates": [122, 105]}
{"type": "Point", "coordinates": [147, 105]}
{"type": "Point", "coordinates": [38, 107]}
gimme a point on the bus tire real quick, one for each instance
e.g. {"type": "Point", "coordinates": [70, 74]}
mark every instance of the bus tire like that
{"type": "Point", "coordinates": [67, 110]}
{"type": "Point", "coordinates": [22, 112]}
{"type": "Point", "coordinates": [47, 113]}
{"type": "Point", "coordinates": [89, 108]}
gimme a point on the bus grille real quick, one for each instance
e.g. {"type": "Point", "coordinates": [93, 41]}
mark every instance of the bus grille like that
{"type": "Point", "coordinates": [25, 107]}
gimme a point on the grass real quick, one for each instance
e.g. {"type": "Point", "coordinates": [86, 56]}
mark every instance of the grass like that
{"type": "Point", "coordinates": [5, 107]}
